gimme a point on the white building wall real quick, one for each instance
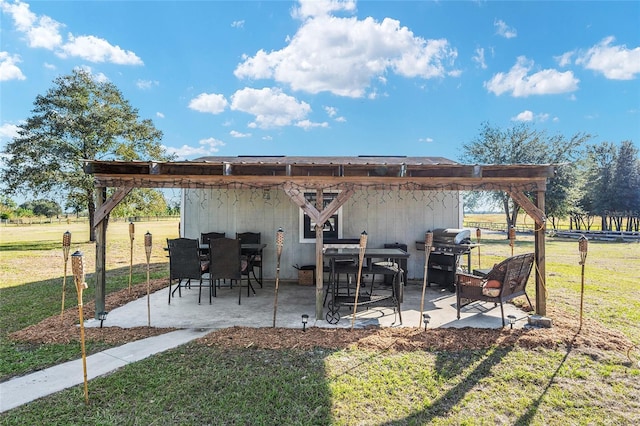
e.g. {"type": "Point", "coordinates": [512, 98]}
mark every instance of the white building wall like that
{"type": "Point", "coordinates": [387, 216]}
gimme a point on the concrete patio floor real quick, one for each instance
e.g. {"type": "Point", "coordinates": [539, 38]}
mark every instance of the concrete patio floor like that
{"type": "Point", "coordinates": [295, 300]}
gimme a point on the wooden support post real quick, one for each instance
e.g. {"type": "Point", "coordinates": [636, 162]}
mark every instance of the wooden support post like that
{"type": "Point", "coordinates": [319, 257]}
{"type": "Point", "coordinates": [541, 280]}
{"type": "Point", "coordinates": [101, 253]}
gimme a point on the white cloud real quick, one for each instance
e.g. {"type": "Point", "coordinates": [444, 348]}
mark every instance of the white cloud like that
{"type": "Point", "coordinates": [614, 62]}
{"type": "Point", "coordinates": [237, 134]}
{"type": "Point", "coordinates": [146, 84]}
{"type": "Point", "coordinates": [479, 58]}
{"type": "Point", "coordinates": [564, 59]}
{"type": "Point", "coordinates": [159, 114]}
{"type": "Point", "coordinates": [307, 124]}
{"type": "Point", "coordinates": [523, 116]}
{"type": "Point", "coordinates": [8, 68]}
{"type": "Point", "coordinates": [427, 140]}
{"type": "Point", "coordinates": [49, 66]}
{"type": "Point", "coordinates": [8, 131]}
{"type": "Point", "coordinates": [270, 107]}
{"type": "Point", "coordinates": [527, 116]}
{"type": "Point", "coordinates": [209, 102]}
{"type": "Point", "coordinates": [504, 30]}
{"type": "Point", "coordinates": [95, 49]}
{"type": "Point", "coordinates": [40, 31]}
{"type": "Point", "coordinates": [238, 24]}
{"type": "Point", "coordinates": [206, 147]}
{"type": "Point", "coordinates": [521, 84]}
{"type": "Point", "coordinates": [345, 56]}
{"type": "Point", "coordinates": [333, 113]}
{"type": "Point", "coordinates": [43, 31]}
{"type": "Point", "coordinates": [99, 77]}
{"type": "Point", "coordinates": [313, 8]}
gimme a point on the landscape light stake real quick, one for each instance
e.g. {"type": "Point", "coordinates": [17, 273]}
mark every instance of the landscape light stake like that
{"type": "Point", "coordinates": [132, 232]}
{"type": "Point", "coordinates": [279, 245]}
{"type": "Point", "coordinates": [147, 249]}
{"type": "Point", "coordinates": [428, 242]}
{"type": "Point", "coordinates": [478, 235]}
{"type": "Point", "coordinates": [512, 237]}
{"type": "Point", "coordinates": [583, 247]}
{"type": "Point", "coordinates": [66, 244]}
{"type": "Point", "coordinates": [77, 267]}
{"type": "Point", "coordinates": [363, 247]}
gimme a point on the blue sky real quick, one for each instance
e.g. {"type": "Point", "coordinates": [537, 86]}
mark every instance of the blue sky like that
{"type": "Point", "coordinates": [335, 77]}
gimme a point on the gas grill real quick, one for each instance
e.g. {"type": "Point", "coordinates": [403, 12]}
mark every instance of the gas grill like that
{"type": "Point", "coordinates": [449, 247]}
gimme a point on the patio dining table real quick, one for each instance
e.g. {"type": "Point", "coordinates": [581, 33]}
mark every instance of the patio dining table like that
{"type": "Point", "coordinates": [387, 264]}
{"type": "Point", "coordinates": [250, 250]}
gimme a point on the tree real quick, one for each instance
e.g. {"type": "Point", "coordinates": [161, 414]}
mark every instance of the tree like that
{"type": "Point", "coordinates": [523, 145]}
{"type": "Point", "coordinates": [626, 186]}
{"type": "Point", "coordinates": [46, 208]}
{"type": "Point", "coordinates": [78, 119]}
{"type": "Point", "coordinates": [142, 202]}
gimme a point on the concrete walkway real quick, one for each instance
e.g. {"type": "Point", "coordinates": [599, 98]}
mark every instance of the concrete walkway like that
{"type": "Point", "coordinates": [255, 311]}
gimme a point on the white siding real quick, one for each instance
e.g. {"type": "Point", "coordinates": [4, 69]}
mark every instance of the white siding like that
{"type": "Point", "coordinates": [387, 216]}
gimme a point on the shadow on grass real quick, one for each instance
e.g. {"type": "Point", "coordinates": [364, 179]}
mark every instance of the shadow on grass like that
{"type": "Point", "coordinates": [450, 365]}
{"type": "Point", "coordinates": [527, 417]}
{"type": "Point", "coordinates": [31, 246]}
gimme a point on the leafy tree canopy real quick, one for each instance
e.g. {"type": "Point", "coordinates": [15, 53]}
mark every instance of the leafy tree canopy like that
{"type": "Point", "coordinates": [522, 144]}
{"type": "Point", "coordinates": [78, 119]}
{"type": "Point", "coordinates": [45, 208]}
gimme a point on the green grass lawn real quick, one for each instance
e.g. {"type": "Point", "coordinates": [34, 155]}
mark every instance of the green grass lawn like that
{"type": "Point", "coordinates": [201, 384]}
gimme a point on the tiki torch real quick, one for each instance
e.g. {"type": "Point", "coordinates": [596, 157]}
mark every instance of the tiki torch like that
{"type": "Point", "coordinates": [363, 247]}
{"type": "Point", "coordinates": [478, 235]}
{"type": "Point", "coordinates": [512, 237]}
{"type": "Point", "coordinates": [132, 232]}
{"type": "Point", "coordinates": [147, 249]}
{"type": "Point", "coordinates": [66, 244]}
{"type": "Point", "coordinates": [583, 246]}
{"type": "Point", "coordinates": [428, 242]}
{"type": "Point", "coordinates": [279, 245]}
{"type": "Point", "coordinates": [77, 267]}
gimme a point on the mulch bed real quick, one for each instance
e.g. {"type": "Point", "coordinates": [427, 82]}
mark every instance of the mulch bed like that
{"type": "Point", "coordinates": [564, 333]}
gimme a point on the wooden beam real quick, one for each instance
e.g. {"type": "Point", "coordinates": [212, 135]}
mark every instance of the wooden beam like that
{"type": "Point", "coordinates": [101, 253]}
{"type": "Point", "coordinates": [523, 201]}
{"type": "Point", "coordinates": [103, 210]}
{"type": "Point", "coordinates": [540, 261]}
{"type": "Point", "coordinates": [335, 204]}
{"type": "Point", "coordinates": [297, 196]}
{"type": "Point", "coordinates": [319, 257]}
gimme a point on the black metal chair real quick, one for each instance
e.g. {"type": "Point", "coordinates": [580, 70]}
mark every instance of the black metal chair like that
{"type": "Point", "coordinates": [255, 260]}
{"type": "Point", "coordinates": [184, 264]}
{"type": "Point", "coordinates": [226, 262]}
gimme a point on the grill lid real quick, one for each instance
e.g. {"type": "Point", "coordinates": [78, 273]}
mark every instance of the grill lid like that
{"type": "Point", "coordinates": [451, 236]}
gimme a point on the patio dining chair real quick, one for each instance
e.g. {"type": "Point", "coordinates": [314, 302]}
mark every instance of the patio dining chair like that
{"type": "Point", "coordinates": [256, 260]}
{"type": "Point", "coordinates": [226, 262]}
{"type": "Point", "coordinates": [184, 264]}
{"type": "Point", "coordinates": [504, 282]}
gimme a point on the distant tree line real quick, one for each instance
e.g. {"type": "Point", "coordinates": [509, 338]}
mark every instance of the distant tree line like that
{"type": "Point", "coordinates": [592, 180]}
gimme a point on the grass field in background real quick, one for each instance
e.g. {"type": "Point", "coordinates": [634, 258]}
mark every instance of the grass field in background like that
{"type": "Point", "coordinates": [322, 387]}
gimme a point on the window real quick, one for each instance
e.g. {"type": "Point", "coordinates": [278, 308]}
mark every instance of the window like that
{"type": "Point", "coordinates": [332, 227]}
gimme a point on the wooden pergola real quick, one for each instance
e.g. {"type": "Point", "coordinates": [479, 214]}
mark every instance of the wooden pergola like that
{"type": "Point", "coordinates": [295, 175]}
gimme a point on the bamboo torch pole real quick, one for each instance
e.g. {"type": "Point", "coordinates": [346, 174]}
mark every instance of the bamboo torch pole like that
{"type": "Point", "coordinates": [132, 232]}
{"type": "Point", "coordinates": [147, 249]}
{"type": "Point", "coordinates": [512, 237]}
{"type": "Point", "coordinates": [66, 244]}
{"type": "Point", "coordinates": [583, 247]}
{"type": "Point", "coordinates": [428, 242]}
{"type": "Point", "coordinates": [279, 245]}
{"type": "Point", "coordinates": [363, 247]}
{"type": "Point", "coordinates": [478, 235]}
{"type": "Point", "coordinates": [78, 273]}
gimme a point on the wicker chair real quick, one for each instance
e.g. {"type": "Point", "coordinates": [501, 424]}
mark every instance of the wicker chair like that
{"type": "Point", "coordinates": [256, 259]}
{"type": "Point", "coordinates": [505, 281]}
{"type": "Point", "coordinates": [226, 262]}
{"type": "Point", "coordinates": [184, 264]}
